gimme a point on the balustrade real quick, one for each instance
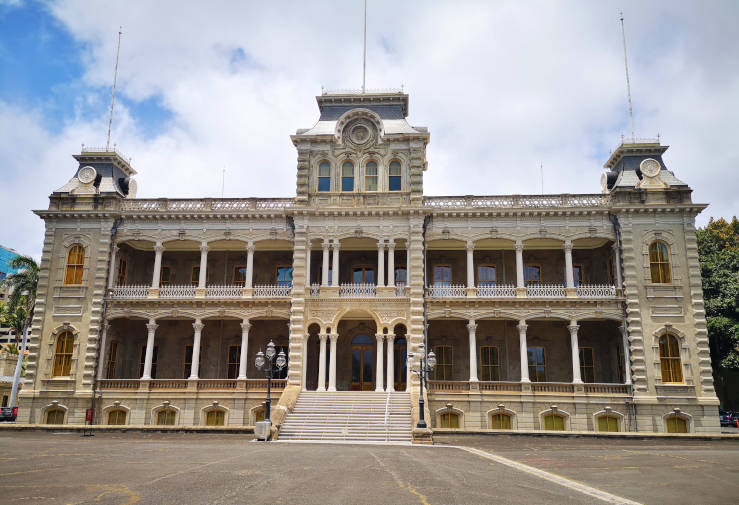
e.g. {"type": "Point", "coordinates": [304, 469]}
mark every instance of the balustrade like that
{"type": "Point", "coordinates": [517, 201]}
{"type": "Point", "coordinates": [497, 291]}
{"type": "Point", "coordinates": [204, 204]}
{"type": "Point", "coordinates": [401, 290]}
{"type": "Point", "coordinates": [553, 387]}
{"type": "Point", "coordinates": [224, 291]}
{"type": "Point", "coordinates": [168, 384]}
{"type": "Point", "coordinates": [447, 291]}
{"type": "Point", "coordinates": [118, 384]}
{"type": "Point", "coordinates": [132, 291]}
{"type": "Point", "coordinates": [596, 291]}
{"type": "Point", "coordinates": [177, 291]}
{"type": "Point", "coordinates": [272, 291]}
{"type": "Point", "coordinates": [357, 290]}
{"type": "Point", "coordinates": [315, 290]}
{"type": "Point", "coordinates": [213, 384]}
{"type": "Point", "coordinates": [546, 291]}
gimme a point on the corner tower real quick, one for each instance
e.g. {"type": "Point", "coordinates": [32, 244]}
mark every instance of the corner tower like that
{"type": "Point", "coordinates": [361, 151]}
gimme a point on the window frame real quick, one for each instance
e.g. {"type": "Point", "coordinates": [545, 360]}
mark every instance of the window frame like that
{"type": "Point", "coordinates": [169, 414]}
{"type": "Point", "coordinates": [583, 367]}
{"type": "Point", "coordinates": [323, 178]}
{"type": "Point", "coordinates": [74, 268]}
{"type": "Point", "coordinates": [443, 283]}
{"type": "Point", "coordinates": [554, 416]}
{"type": "Point", "coordinates": [608, 418]}
{"type": "Point", "coordinates": [446, 417]}
{"type": "Point", "coordinates": [534, 377]}
{"type": "Point", "coordinates": [440, 362]}
{"type": "Point", "coordinates": [235, 279]}
{"type": "Point", "coordinates": [278, 282]}
{"type": "Point", "coordinates": [233, 364]}
{"type": "Point", "coordinates": [118, 412]}
{"type": "Point", "coordinates": [375, 176]}
{"type": "Point", "coordinates": [532, 282]}
{"type": "Point", "coordinates": [122, 267]}
{"type": "Point", "coordinates": [195, 275]}
{"type": "Point", "coordinates": [56, 411]}
{"type": "Point", "coordinates": [187, 361]}
{"type": "Point", "coordinates": [578, 280]}
{"type": "Point", "coordinates": [395, 180]}
{"type": "Point", "coordinates": [365, 268]}
{"type": "Point", "coordinates": [162, 280]}
{"type": "Point", "coordinates": [486, 282]}
{"type": "Point", "coordinates": [112, 361]}
{"type": "Point", "coordinates": [676, 419]}
{"type": "Point", "coordinates": [500, 416]}
{"type": "Point", "coordinates": [62, 364]}
{"type": "Point", "coordinates": [345, 179]}
{"type": "Point", "coordinates": [218, 415]}
{"type": "Point", "coordinates": [492, 369]}
{"type": "Point", "coordinates": [663, 266]}
{"type": "Point", "coordinates": [671, 364]}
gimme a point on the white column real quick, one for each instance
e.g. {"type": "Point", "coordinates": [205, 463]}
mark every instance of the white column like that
{"type": "Point", "coordinates": [152, 328]}
{"type": "Point", "coordinates": [158, 250]}
{"type": "Point", "coordinates": [322, 363]}
{"type": "Point", "coordinates": [304, 362]}
{"type": "Point", "coordinates": [103, 343]}
{"type": "Point", "coordinates": [408, 266]}
{"type": "Point", "coordinates": [307, 262]}
{"type": "Point", "coordinates": [203, 265]}
{"type": "Point", "coordinates": [332, 363]}
{"type": "Point", "coordinates": [617, 266]}
{"type": "Point", "coordinates": [195, 365]}
{"type": "Point", "coordinates": [391, 263]}
{"type": "Point", "coordinates": [576, 376]}
{"type": "Point", "coordinates": [244, 355]}
{"type": "Point", "coordinates": [519, 264]}
{"type": "Point", "coordinates": [380, 263]}
{"type": "Point", "coordinates": [112, 279]}
{"type": "Point", "coordinates": [470, 265]}
{"type": "Point", "coordinates": [472, 329]}
{"type": "Point", "coordinates": [522, 326]}
{"type": "Point", "coordinates": [379, 372]}
{"type": "Point", "coordinates": [390, 363]}
{"type": "Point", "coordinates": [249, 265]}
{"type": "Point", "coordinates": [324, 269]}
{"type": "Point", "coordinates": [627, 354]}
{"type": "Point", "coordinates": [569, 273]}
{"type": "Point", "coordinates": [335, 273]}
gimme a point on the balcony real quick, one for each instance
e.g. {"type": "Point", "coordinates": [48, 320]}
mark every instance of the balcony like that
{"type": "Point", "coordinates": [583, 291]}
{"type": "Point", "coordinates": [540, 388]}
{"type": "Point", "coordinates": [190, 292]}
{"type": "Point", "coordinates": [185, 384]}
{"type": "Point", "coordinates": [358, 290]}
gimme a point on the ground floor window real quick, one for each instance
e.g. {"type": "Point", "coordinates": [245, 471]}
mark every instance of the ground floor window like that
{"type": "Point", "coordinates": [166, 417]}
{"type": "Point", "coordinates": [554, 422]}
{"type": "Point", "coordinates": [500, 421]}
{"type": "Point", "coordinates": [449, 420]}
{"type": "Point", "coordinates": [676, 424]}
{"type": "Point", "coordinates": [55, 416]}
{"type": "Point", "coordinates": [608, 423]}
{"type": "Point", "coordinates": [117, 416]}
{"type": "Point", "coordinates": [215, 418]}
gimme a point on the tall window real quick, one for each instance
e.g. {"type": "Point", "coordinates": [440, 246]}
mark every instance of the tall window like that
{"type": "Point", "coordinates": [284, 276]}
{"type": "Point", "coordinates": [165, 278]}
{"type": "Point", "coordinates": [608, 422]}
{"type": "Point", "coordinates": [537, 364]}
{"type": "Point", "coordinates": [324, 176]}
{"type": "Point", "coordinates": [363, 275]}
{"type": "Point", "coordinates": [75, 265]}
{"type": "Point", "coordinates": [442, 275]}
{"type": "Point", "coordinates": [63, 354]}
{"type": "Point", "coordinates": [669, 358]}
{"type": "Point", "coordinates": [232, 363]}
{"type": "Point", "coordinates": [394, 180]}
{"type": "Point", "coordinates": [166, 417]}
{"type": "Point", "coordinates": [112, 359]}
{"type": "Point", "coordinates": [532, 275]}
{"type": "Point", "coordinates": [142, 361]}
{"type": "Point", "coordinates": [215, 417]}
{"type": "Point", "coordinates": [554, 422]}
{"type": "Point", "coordinates": [676, 424]}
{"type": "Point", "coordinates": [370, 176]}
{"type": "Point", "coordinates": [239, 275]}
{"type": "Point", "coordinates": [449, 420]}
{"type": "Point", "coordinates": [659, 262]}
{"type": "Point", "coordinates": [401, 276]}
{"type": "Point", "coordinates": [444, 363]}
{"type": "Point", "coordinates": [587, 367]}
{"type": "Point", "coordinates": [195, 276]}
{"type": "Point", "coordinates": [500, 421]}
{"type": "Point", "coordinates": [122, 265]}
{"type": "Point", "coordinates": [117, 416]}
{"type": "Point", "coordinates": [187, 364]}
{"type": "Point", "coordinates": [55, 416]}
{"type": "Point", "coordinates": [347, 176]}
{"type": "Point", "coordinates": [489, 363]}
{"type": "Point", "coordinates": [485, 275]}
{"type": "Point", "coordinates": [577, 274]}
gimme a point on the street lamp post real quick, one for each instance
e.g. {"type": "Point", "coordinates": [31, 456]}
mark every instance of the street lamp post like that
{"type": "Point", "coordinates": [427, 365]}
{"type": "Point", "coordinates": [264, 363]}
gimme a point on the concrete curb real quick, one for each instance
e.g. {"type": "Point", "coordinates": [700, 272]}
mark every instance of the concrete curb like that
{"type": "Point", "coordinates": [591, 434]}
{"type": "Point", "coordinates": [125, 428]}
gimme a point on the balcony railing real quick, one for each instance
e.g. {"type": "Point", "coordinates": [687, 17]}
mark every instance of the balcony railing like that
{"type": "Point", "coordinates": [401, 290]}
{"type": "Point", "coordinates": [447, 291]}
{"type": "Point", "coordinates": [357, 290]}
{"type": "Point", "coordinates": [507, 387]}
{"type": "Point", "coordinates": [315, 290]}
{"type": "Point", "coordinates": [183, 384]}
{"type": "Point", "coordinates": [224, 291]}
{"type": "Point", "coordinates": [518, 201]}
{"type": "Point", "coordinates": [220, 205]}
{"type": "Point", "coordinates": [546, 291]}
{"type": "Point", "coordinates": [272, 291]}
{"type": "Point", "coordinates": [177, 291]}
{"type": "Point", "coordinates": [497, 291]}
{"type": "Point", "coordinates": [133, 291]}
{"type": "Point", "coordinates": [596, 291]}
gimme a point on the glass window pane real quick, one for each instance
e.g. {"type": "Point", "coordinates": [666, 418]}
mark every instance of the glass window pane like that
{"type": "Point", "coordinates": [370, 183]}
{"type": "Point", "coordinates": [324, 169]}
{"type": "Point", "coordinates": [371, 168]}
{"type": "Point", "coordinates": [394, 183]}
{"type": "Point", "coordinates": [324, 184]}
{"type": "Point", "coordinates": [347, 184]}
{"type": "Point", "coordinates": [347, 170]}
{"type": "Point", "coordinates": [394, 168]}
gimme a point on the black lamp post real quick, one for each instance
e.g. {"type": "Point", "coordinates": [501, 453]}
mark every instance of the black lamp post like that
{"type": "Point", "coordinates": [428, 363]}
{"type": "Point", "coordinates": [266, 366]}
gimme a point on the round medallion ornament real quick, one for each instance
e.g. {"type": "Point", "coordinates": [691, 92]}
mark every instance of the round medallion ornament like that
{"type": "Point", "coordinates": [359, 133]}
{"type": "Point", "coordinates": [86, 175]}
{"type": "Point", "coordinates": [650, 167]}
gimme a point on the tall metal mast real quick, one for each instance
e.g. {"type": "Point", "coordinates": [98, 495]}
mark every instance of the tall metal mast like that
{"type": "Point", "coordinates": [364, 49]}
{"type": "Point", "coordinates": [628, 82]}
{"type": "Point", "coordinates": [115, 81]}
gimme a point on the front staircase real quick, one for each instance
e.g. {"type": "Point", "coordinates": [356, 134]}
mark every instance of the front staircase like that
{"type": "Point", "coordinates": [362, 416]}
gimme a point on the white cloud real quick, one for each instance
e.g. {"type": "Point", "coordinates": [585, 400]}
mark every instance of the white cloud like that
{"type": "Point", "coordinates": [502, 86]}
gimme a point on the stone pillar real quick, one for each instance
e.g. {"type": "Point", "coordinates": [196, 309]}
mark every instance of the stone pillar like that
{"type": "Point", "coordinates": [322, 363]}
{"type": "Point", "coordinates": [203, 265]}
{"type": "Point", "coordinates": [470, 265]}
{"type": "Point", "coordinates": [569, 272]}
{"type": "Point", "coordinates": [249, 283]}
{"type": "Point", "coordinates": [324, 270]}
{"type": "Point", "coordinates": [379, 384]}
{"type": "Point", "coordinates": [522, 326]}
{"type": "Point", "coordinates": [112, 279]}
{"type": "Point", "coordinates": [576, 376]}
{"type": "Point", "coordinates": [408, 265]}
{"type": "Point", "coordinates": [332, 363]}
{"type": "Point", "coordinates": [617, 266]}
{"type": "Point", "coordinates": [520, 288]}
{"type": "Point", "coordinates": [158, 251]}
{"type": "Point", "coordinates": [627, 354]}
{"type": "Point", "coordinates": [307, 262]}
{"type": "Point", "coordinates": [472, 329]}
{"type": "Point", "coordinates": [244, 355]}
{"type": "Point", "coordinates": [390, 363]}
{"type": "Point", "coordinates": [335, 270]}
{"type": "Point", "coordinates": [304, 362]}
{"type": "Point", "coordinates": [195, 365]}
{"type": "Point", "coordinates": [103, 343]}
{"type": "Point", "coordinates": [152, 328]}
{"type": "Point", "coordinates": [380, 263]}
{"type": "Point", "coordinates": [391, 263]}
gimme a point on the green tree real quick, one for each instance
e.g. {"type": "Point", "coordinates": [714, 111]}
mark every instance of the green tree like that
{"type": "Point", "coordinates": [718, 249]}
{"type": "Point", "coordinates": [14, 319]}
{"type": "Point", "coordinates": [25, 280]}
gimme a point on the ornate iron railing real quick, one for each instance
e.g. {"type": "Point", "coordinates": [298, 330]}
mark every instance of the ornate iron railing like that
{"type": "Point", "coordinates": [546, 291]}
{"type": "Point", "coordinates": [315, 290]}
{"type": "Point", "coordinates": [596, 291]}
{"type": "Point", "coordinates": [272, 291]}
{"type": "Point", "coordinates": [357, 290]}
{"type": "Point", "coordinates": [497, 291]}
{"type": "Point", "coordinates": [224, 291]}
{"type": "Point", "coordinates": [130, 291]}
{"type": "Point", "coordinates": [177, 291]}
{"type": "Point", "coordinates": [401, 290]}
{"type": "Point", "coordinates": [518, 201]}
{"type": "Point", "coordinates": [205, 204]}
{"type": "Point", "coordinates": [447, 291]}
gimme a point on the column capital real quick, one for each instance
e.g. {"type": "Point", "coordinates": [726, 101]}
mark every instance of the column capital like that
{"type": "Point", "coordinates": [336, 244]}
{"type": "Point", "coordinates": [322, 336]}
{"type": "Point", "coordinates": [390, 337]}
{"type": "Point", "coordinates": [381, 244]}
{"type": "Point", "coordinates": [198, 326]}
{"type": "Point", "coordinates": [573, 328]}
{"type": "Point", "coordinates": [470, 245]}
{"type": "Point", "coordinates": [522, 326]}
{"type": "Point", "coordinates": [379, 337]}
{"type": "Point", "coordinates": [250, 246]}
{"type": "Point", "coordinates": [519, 245]}
{"type": "Point", "coordinates": [152, 326]}
{"type": "Point", "coordinates": [567, 246]}
{"type": "Point", "coordinates": [204, 246]}
{"type": "Point", "coordinates": [391, 243]}
{"type": "Point", "coordinates": [472, 326]}
{"type": "Point", "coordinates": [326, 243]}
{"type": "Point", "coordinates": [158, 247]}
{"type": "Point", "coordinates": [333, 336]}
{"type": "Point", "coordinates": [245, 326]}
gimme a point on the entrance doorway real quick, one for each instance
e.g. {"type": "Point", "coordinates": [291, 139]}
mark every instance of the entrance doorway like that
{"type": "Point", "coordinates": [363, 354]}
{"type": "Point", "coordinates": [399, 361]}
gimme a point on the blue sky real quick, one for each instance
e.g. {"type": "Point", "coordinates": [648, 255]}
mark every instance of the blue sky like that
{"type": "Point", "coordinates": [503, 87]}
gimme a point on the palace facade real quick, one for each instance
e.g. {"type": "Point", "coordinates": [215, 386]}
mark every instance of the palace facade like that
{"type": "Point", "coordinates": [579, 312]}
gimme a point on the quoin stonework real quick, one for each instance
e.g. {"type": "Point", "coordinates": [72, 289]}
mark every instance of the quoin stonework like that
{"type": "Point", "coordinates": [576, 312]}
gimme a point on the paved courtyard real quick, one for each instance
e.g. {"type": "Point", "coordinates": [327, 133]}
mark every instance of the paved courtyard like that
{"type": "Point", "coordinates": [185, 468]}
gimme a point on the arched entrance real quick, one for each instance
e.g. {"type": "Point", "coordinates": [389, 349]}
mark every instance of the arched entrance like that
{"type": "Point", "coordinates": [400, 365]}
{"type": "Point", "coordinates": [363, 356]}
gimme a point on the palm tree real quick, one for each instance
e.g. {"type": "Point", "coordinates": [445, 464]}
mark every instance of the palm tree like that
{"type": "Point", "coordinates": [14, 319]}
{"type": "Point", "coordinates": [22, 285]}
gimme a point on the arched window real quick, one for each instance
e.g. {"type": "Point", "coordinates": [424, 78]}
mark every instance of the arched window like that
{"type": "Point", "coordinates": [55, 416]}
{"type": "Point", "coordinates": [394, 181]}
{"type": "Point", "coordinates": [215, 417]}
{"type": "Point", "coordinates": [554, 422]}
{"type": "Point", "coordinates": [117, 416]}
{"type": "Point", "coordinates": [259, 415]}
{"type": "Point", "coordinates": [500, 421]}
{"type": "Point", "coordinates": [669, 359]}
{"type": "Point", "coordinates": [449, 420]}
{"type": "Point", "coordinates": [75, 265]}
{"type": "Point", "coordinates": [659, 262]}
{"type": "Point", "coordinates": [324, 176]}
{"type": "Point", "coordinates": [63, 354]}
{"type": "Point", "coordinates": [347, 176]}
{"type": "Point", "coordinates": [370, 176]}
{"type": "Point", "coordinates": [608, 422]}
{"type": "Point", "coordinates": [676, 424]}
{"type": "Point", "coordinates": [166, 417]}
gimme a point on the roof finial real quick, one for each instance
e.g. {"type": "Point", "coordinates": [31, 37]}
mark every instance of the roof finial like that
{"type": "Point", "coordinates": [115, 81]}
{"type": "Point", "coordinates": [628, 83]}
{"type": "Point", "coordinates": [364, 49]}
